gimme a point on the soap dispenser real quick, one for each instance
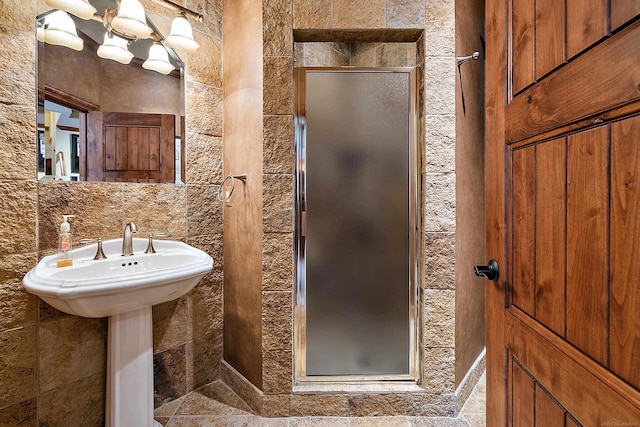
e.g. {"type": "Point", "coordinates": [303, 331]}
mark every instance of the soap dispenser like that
{"type": "Point", "coordinates": [64, 243]}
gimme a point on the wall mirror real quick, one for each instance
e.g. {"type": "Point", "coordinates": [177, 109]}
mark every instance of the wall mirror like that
{"type": "Point", "coordinates": [105, 114]}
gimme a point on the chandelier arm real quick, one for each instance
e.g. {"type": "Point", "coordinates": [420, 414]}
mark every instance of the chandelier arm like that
{"type": "Point", "coordinates": [109, 14]}
{"type": "Point", "coordinates": [154, 36]}
{"type": "Point", "coordinates": [106, 21]}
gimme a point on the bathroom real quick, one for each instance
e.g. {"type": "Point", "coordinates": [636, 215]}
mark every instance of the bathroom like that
{"type": "Point", "coordinates": [237, 325]}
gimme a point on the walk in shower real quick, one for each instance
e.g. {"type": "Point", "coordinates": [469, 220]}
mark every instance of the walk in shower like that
{"type": "Point", "coordinates": [356, 224]}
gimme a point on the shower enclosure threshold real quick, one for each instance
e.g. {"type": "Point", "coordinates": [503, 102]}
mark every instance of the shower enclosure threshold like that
{"type": "Point", "coordinates": [355, 386]}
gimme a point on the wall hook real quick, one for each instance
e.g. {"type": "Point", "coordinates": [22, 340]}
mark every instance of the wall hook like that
{"type": "Point", "coordinates": [241, 177]}
{"type": "Point", "coordinates": [462, 59]}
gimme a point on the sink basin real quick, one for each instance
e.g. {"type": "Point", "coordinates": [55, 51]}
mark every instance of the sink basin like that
{"type": "Point", "coordinates": [118, 284]}
{"type": "Point", "coordinates": [123, 288]}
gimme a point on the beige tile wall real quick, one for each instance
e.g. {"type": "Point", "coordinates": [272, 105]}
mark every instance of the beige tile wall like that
{"type": "Point", "coordinates": [52, 365]}
{"type": "Point", "coordinates": [322, 54]}
{"type": "Point", "coordinates": [336, 54]}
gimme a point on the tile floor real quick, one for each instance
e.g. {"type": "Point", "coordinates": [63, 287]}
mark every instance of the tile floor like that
{"type": "Point", "coordinates": [215, 405]}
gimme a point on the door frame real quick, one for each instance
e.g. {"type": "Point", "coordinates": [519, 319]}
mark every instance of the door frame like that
{"type": "Point", "coordinates": [83, 107]}
{"type": "Point", "coordinates": [415, 199]}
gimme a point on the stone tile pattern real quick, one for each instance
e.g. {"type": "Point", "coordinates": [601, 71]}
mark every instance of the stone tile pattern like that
{"type": "Point", "coordinates": [439, 190]}
{"type": "Point", "coordinates": [433, 54]}
{"type": "Point", "coordinates": [52, 365]}
{"type": "Point", "coordinates": [277, 210]}
{"type": "Point", "coordinates": [217, 404]}
{"type": "Point", "coordinates": [475, 408]}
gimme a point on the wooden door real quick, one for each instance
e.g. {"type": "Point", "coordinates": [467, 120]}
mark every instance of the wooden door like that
{"type": "Point", "coordinates": [563, 212]}
{"type": "Point", "coordinates": [130, 147]}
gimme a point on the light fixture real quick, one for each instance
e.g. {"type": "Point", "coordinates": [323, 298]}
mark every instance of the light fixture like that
{"type": "Point", "coordinates": [80, 8]}
{"type": "Point", "coordinates": [181, 35]}
{"type": "Point", "coordinates": [60, 30]}
{"type": "Point", "coordinates": [126, 23]}
{"type": "Point", "coordinates": [130, 19]}
{"type": "Point", "coordinates": [115, 48]}
{"type": "Point", "coordinates": [158, 59]}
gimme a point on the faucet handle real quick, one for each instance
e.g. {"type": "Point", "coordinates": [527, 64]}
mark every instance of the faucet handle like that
{"type": "Point", "coordinates": [150, 248]}
{"type": "Point", "coordinates": [99, 253]}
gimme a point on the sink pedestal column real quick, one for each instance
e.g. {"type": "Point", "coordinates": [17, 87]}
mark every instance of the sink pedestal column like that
{"type": "Point", "coordinates": [130, 370]}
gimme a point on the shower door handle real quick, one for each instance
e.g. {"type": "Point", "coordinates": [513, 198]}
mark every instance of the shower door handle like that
{"type": "Point", "coordinates": [490, 271]}
{"type": "Point", "coordinates": [303, 223]}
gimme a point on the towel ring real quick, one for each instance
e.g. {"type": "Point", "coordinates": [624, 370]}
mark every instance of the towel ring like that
{"type": "Point", "coordinates": [241, 177]}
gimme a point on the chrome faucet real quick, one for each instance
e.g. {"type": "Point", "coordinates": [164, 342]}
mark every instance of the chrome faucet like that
{"type": "Point", "coordinates": [127, 242]}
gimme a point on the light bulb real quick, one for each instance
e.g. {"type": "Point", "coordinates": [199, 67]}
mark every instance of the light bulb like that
{"type": "Point", "coordinates": [181, 36]}
{"type": "Point", "coordinates": [115, 48]}
{"type": "Point", "coordinates": [158, 60]}
{"type": "Point", "coordinates": [80, 8]}
{"type": "Point", "coordinates": [131, 19]}
{"type": "Point", "coordinates": [60, 30]}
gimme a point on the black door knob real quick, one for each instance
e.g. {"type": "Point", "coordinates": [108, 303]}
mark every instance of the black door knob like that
{"type": "Point", "coordinates": [491, 271]}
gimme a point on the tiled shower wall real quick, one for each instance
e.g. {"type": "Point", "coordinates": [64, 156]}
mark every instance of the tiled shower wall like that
{"type": "Point", "coordinates": [434, 52]}
{"type": "Point", "coordinates": [52, 365]}
{"type": "Point", "coordinates": [334, 54]}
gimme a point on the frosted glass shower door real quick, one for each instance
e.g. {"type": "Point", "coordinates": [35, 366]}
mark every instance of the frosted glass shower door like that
{"type": "Point", "coordinates": [355, 223]}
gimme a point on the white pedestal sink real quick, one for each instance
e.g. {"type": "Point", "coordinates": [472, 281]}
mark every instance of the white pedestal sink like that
{"type": "Point", "coordinates": [123, 288]}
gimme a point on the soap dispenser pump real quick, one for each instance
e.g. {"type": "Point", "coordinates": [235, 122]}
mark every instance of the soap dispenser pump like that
{"type": "Point", "coordinates": [64, 243]}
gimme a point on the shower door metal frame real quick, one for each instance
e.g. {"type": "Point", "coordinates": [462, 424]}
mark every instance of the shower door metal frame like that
{"type": "Point", "coordinates": [299, 305]}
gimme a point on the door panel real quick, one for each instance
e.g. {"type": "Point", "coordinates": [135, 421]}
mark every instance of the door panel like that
{"type": "Point", "coordinates": [532, 404]}
{"type": "Point", "coordinates": [522, 42]}
{"type": "Point", "coordinates": [523, 229]}
{"type": "Point", "coordinates": [586, 24]}
{"type": "Point", "coordinates": [357, 252]}
{"type": "Point", "coordinates": [550, 225]}
{"type": "Point", "coordinates": [548, 412]}
{"type": "Point", "coordinates": [585, 389]}
{"type": "Point", "coordinates": [550, 33]}
{"type": "Point", "coordinates": [625, 249]}
{"type": "Point", "coordinates": [623, 11]}
{"type": "Point", "coordinates": [587, 215]}
{"type": "Point", "coordinates": [355, 276]}
{"type": "Point", "coordinates": [523, 398]}
{"type": "Point", "coordinates": [562, 278]}
{"type": "Point", "coordinates": [563, 213]}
